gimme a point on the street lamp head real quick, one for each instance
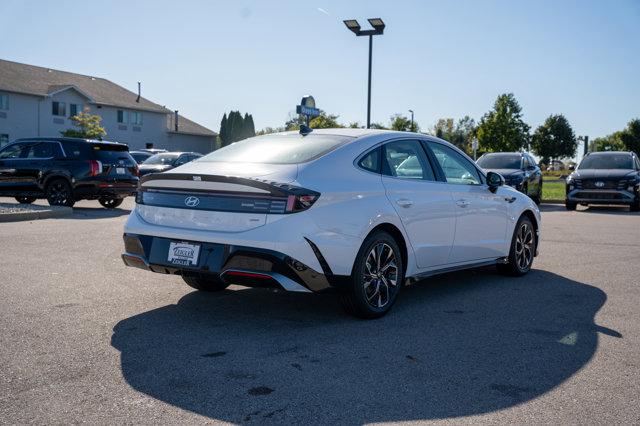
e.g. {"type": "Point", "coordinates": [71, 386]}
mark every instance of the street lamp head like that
{"type": "Point", "coordinates": [411, 111]}
{"type": "Point", "coordinates": [352, 25]}
{"type": "Point", "coordinates": [377, 24]}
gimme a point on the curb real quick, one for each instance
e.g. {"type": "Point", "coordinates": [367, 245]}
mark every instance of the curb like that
{"type": "Point", "coordinates": [49, 213]}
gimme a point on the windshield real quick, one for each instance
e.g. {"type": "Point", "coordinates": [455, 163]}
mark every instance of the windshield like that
{"type": "Point", "coordinates": [500, 161]}
{"type": "Point", "coordinates": [161, 159]}
{"type": "Point", "coordinates": [289, 148]}
{"type": "Point", "coordinates": [607, 161]}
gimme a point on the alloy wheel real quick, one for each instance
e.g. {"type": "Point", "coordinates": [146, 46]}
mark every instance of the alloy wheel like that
{"type": "Point", "coordinates": [58, 194]}
{"type": "Point", "coordinates": [380, 275]}
{"type": "Point", "coordinates": [524, 246]}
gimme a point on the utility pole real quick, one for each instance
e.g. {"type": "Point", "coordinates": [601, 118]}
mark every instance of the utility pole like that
{"type": "Point", "coordinates": [411, 128]}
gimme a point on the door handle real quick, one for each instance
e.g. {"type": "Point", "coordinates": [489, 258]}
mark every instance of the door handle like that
{"type": "Point", "coordinates": [463, 203]}
{"type": "Point", "coordinates": [403, 202]}
{"type": "Point", "coordinates": [510, 199]}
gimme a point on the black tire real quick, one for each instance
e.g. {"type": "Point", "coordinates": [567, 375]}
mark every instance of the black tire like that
{"type": "Point", "coordinates": [635, 207]}
{"type": "Point", "coordinates": [538, 197]}
{"type": "Point", "coordinates": [59, 193]}
{"type": "Point", "coordinates": [25, 200]}
{"type": "Point", "coordinates": [570, 205]}
{"type": "Point", "coordinates": [110, 203]}
{"type": "Point", "coordinates": [376, 278]}
{"type": "Point", "coordinates": [523, 249]}
{"type": "Point", "coordinates": [206, 283]}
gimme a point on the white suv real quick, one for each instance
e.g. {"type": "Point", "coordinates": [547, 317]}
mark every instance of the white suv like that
{"type": "Point", "coordinates": [361, 212]}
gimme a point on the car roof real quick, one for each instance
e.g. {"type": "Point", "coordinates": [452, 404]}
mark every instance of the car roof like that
{"type": "Point", "coordinates": [64, 139]}
{"type": "Point", "coordinates": [610, 152]}
{"type": "Point", "coordinates": [506, 153]}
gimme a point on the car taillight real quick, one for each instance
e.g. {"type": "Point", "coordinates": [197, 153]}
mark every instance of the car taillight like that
{"type": "Point", "coordinates": [297, 203]}
{"type": "Point", "coordinates": [95, 167]}
{"type": "Point", "coordinates": [136, 170]}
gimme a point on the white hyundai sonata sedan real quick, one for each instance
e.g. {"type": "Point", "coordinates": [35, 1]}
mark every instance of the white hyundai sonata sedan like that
{"type": "Point", "coordinates": [359, 212]}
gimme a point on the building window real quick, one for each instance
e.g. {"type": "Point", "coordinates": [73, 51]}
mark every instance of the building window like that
{"type": "Point", "coordinates": [4, 101]}
{"type": "Point", "coordinates": [123, 116]}
{"type": "Point", "coordinates": [136, 118]}
{"type": "Point", "coordinates": [74, 109]}
{"type": "Point", "coordinates": [59, 109]}
{"type": "Point", "coordinates": [4, 139]}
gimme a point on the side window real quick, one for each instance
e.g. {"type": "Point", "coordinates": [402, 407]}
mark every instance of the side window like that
{"type": "Point", "coordinates": [456, 168]}
{"type": "Point", "coordinates": [371, 161]}
{"type": "Point", "coordinates": [406, 160]}
{"type": "Point", "coordinates": [40, 150]}
{"type": "Point", "coordinates": [72, 149]}
{"type": "Point", "coordinates": [12, 151]}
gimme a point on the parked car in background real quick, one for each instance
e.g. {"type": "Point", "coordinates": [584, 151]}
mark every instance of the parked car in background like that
{"type": "Point", "coordinates": [140, 156]}
{"type": "Point", "coordinates": [166, 161]}
{"type": "Point", "coordinates": [519, 170]}
{"type": "Point", "coordinates": [65, 170]}
{"type": "Point", "coordinates": [271, 211]}
{"type": "Point", "coordinates": [153, 150]}
{"type": "Point", "coordinates": [611, 177]}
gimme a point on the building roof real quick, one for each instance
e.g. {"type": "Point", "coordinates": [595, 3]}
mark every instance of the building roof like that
{"type": "Point", "coordinates": [39, 81]}
{"type": "Point", "coordinates": [187, 127]}
{"type": "Point", "coordinates": [29, 79]}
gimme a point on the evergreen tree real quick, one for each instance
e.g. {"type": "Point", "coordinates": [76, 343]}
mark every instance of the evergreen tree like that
{"type": "Point", "coordinates": [249, 127]}
{"type": "Point", "coordinates": [223, 130]}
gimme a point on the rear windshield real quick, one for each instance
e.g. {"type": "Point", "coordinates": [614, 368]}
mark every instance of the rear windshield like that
{"type": "Point", "coordinates": [161, 159]}
{"type": "Point", "coordinates": [110, 153]}
{"type": "Point", "coordinates": [607, 161]}
{"type": "Point", "coordinates": [291, 148]}
{"type": "Point", "coordinates": [500, 162]}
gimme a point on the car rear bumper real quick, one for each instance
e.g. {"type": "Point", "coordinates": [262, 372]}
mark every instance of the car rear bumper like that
{"type": "Point", "coordinates": [601, 196]}
{"type": "Point", "coordinates": [248, 266]}
{"type": "Point", "coordinates": [110, 189]}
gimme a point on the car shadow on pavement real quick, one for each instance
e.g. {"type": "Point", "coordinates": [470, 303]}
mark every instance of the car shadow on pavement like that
{"type": "Point", "coordinates": [97, 213]}
{"type": "Point", "coordinates": [458, 344]}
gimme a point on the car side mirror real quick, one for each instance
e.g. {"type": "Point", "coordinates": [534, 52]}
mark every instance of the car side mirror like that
{"type": "Point", "coordinates": [494, 180]}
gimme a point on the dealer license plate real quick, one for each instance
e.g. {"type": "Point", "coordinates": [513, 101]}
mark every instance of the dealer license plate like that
{"type": "Point", "coordinates": [184, 254]}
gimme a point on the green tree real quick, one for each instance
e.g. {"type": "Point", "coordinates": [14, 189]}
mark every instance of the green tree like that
{"type": "Point", "coordinates": [377, 126]}
{"type": "Point", "coordinates": [612, 142]}
{"type": "Point", "coordinates": [402, 123]}
{"type": "Point", "coordinates": [502, 128]}
{"type": "Point", "coordinates": [554, 139]}
{"type": "Point", "coordinates": [459, 133]}
{"type": "Point", "coordinates": [88, 127]}
{"type": "Point", "coordinates": [631, 136]}
{"type": "Point", "coordinates": [224, 132]}
{"type": "Point", "coordinates": [249, 127]}
{"type": "Point", "coordinates": [323, 121]}
{"type": "Point", "coordinates": [354, 125]}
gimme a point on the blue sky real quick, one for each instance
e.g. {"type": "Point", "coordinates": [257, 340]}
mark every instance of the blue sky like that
{"type": "Point", "coordinates": [441, 59]}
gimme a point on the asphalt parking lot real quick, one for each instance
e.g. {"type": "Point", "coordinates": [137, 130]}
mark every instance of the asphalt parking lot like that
{"type": "Point", "coordinates": [85, 339]}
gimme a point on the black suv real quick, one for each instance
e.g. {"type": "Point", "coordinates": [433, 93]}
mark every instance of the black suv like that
{"type": "Point", "coordinates": [65, 170]}
{"type": "Point", "coordinates": [611, 177]}
{"type": "Point", "coordinates": [519, 170]}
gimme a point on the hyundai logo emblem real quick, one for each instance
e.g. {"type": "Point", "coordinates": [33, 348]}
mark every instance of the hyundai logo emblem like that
{"type": "Point", "coordinates": [192, 201]}
{"type": "Point", "coordinates": [599, 184]}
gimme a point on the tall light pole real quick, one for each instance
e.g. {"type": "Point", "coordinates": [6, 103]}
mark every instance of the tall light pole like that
{"type": "Point", "coordinates": [378, 29]}
{"type": "Point", "coordinates": [411, 128]}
